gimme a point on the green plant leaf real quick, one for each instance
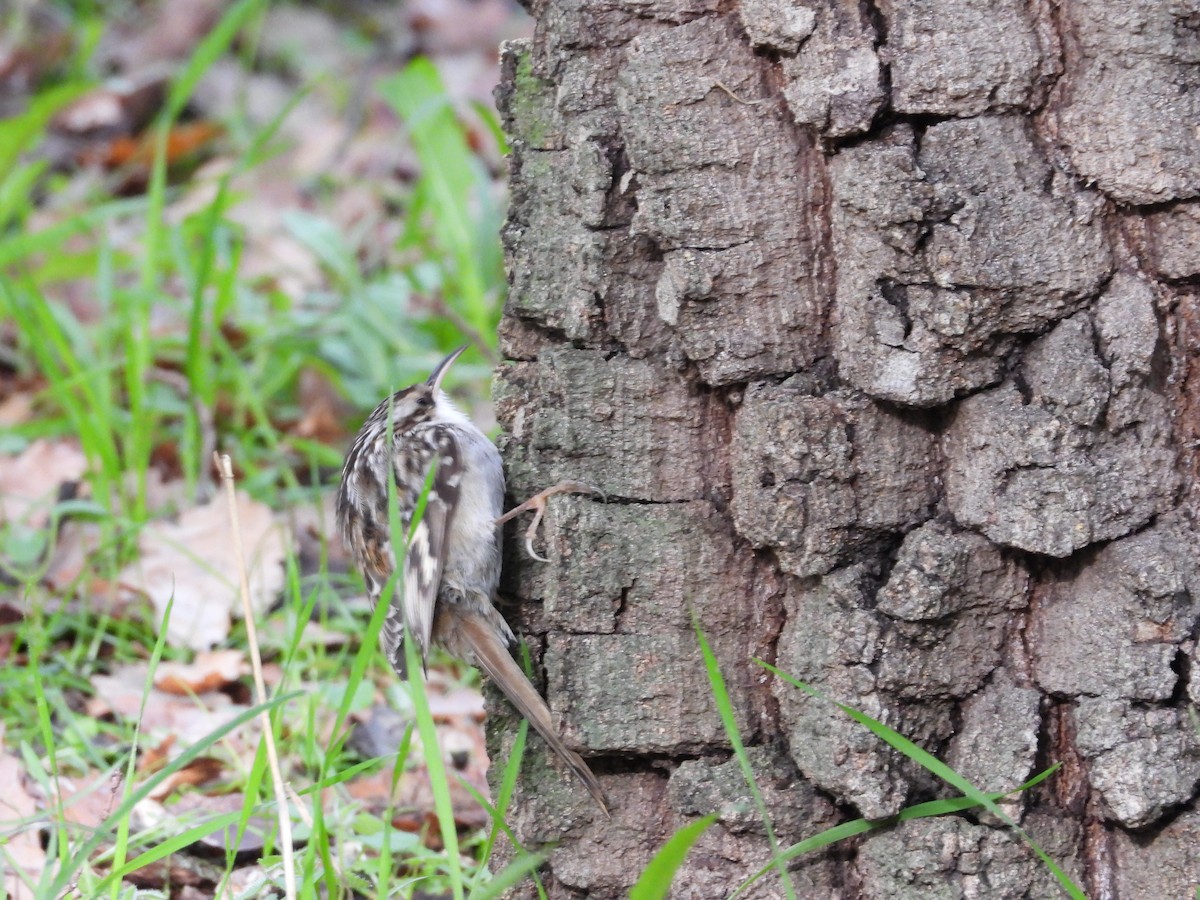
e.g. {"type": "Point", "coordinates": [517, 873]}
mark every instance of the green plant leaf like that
{"type": "Point", "coordinates": [18, 133]}
{"type": "Point", "coordinates": [656, 878]}
{"type": "Point", "coordinates": [455, 188]}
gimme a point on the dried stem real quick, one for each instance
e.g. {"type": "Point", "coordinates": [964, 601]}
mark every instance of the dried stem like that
{"type": "Point", "coordinates": [225, 466]}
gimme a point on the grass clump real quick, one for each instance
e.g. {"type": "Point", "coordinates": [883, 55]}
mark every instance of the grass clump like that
{"type": "Point", "coordinates": [145, 332]}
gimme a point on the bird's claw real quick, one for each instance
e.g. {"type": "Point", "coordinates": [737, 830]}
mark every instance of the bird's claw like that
{"type": "Point", "coordinates": [537, 503]}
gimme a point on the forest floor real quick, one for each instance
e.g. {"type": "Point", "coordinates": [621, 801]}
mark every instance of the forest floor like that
{"type": "Point", "coordinates": [229, 227]}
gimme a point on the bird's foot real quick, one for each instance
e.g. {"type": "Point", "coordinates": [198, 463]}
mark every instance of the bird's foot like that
{"type": "Point", "coordinates": [537, 503]}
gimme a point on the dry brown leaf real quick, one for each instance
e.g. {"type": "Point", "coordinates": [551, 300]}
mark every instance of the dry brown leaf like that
{"type": "Point", "coordinates": [194, 560]}
{"type": "Point", "coordinates": [16, 408]}
{"type": "Point", "coordinates": [465, 753]}
{"type": "Point", "coordinates": [76, 543]}
{"type": "Point", "coordinates": [189, 809]}
{"type": "Point", "coordinates": [180, 876]}
{"type": "Point", "coordinates": [90, 799]}
{"type": "Point", "coordinates": [184, 141]}
{"type": "Point", "coordinates": [25, 65]}
{"type": "Point", "coordinates": [373, 155]}
{"type": "Point", "coordinates": [21, 844]}
{"type": "Point", "coordinates": [317, 635]}
{"type": "Point", "coordinates": [187, 719]}
{"type": "Point", "coordinates": [211, 670]}
{"type": "Point", "coordinates": [251, 881]}
{"type": "Point", "coordinates": [154, 758]}
{"type": "Point", "coordinates": [412, 801]}
{"type": "Point", "coordinates": [118, 108]}
{"type": "Point", "coordinates": [283, 262]}
{"type": "Point", "coordinates": [169, 34]}
{"type": "Point", "coordinates": [188, 891]}
{"type": "Point", "coordinates": [272, 254]}
{"type": "Point", "coordinates": [201, 770]}
{"type": "Point", "coordinates": [29, 482]}
{"type": "Point", "coordinates": [272, 674]}
{"type": "Point", "coordinates": [325, 410]}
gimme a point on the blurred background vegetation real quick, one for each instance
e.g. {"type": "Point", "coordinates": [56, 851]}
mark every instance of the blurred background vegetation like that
{"type": "Point", "coordinates": [269, 201]}
{"type": "Point", "coordinates": [232, 226]}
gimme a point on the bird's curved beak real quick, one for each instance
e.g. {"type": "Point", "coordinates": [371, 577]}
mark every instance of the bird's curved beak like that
{"type": "Point", "coordinates": [435, 378]}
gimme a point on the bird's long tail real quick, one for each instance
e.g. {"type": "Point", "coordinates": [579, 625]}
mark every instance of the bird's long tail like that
{"type": "Point", "coordinates": [493, 657]}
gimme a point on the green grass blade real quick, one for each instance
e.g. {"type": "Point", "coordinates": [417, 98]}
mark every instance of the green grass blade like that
{"type": "Point", "coordinates": [656, 878]}
{"type": "Point", "coordinates": [206, 53]}
{"type": "Point", "coordinates": [18, 133]}
{"type": "Point", "coordinates": [439, 783]}
{"type": "Point", "coordinates": [431, 749]}
{"type": "Point", "coordinates": [328, 242]}
{"type": "Point", "coordinates": [386, 862]}
{"type": "Point", "coordinates": [509, 877]}
{"type": "Point", "coordinates": [931, 763]}
{"type": "Point", "coordinates": [725, 708]}
{"type": "Point", "coordinates": [131, 767]}
{"type": "Point", "coordinates": [166, 848]}
{"type": "Point", "coordinates": [16, 189]}
{"type": "Point", "coordinates": [451, 181]}
{"type": "Point", "coordinates": [85, 850]}
{"type": "Point", "coordinates": [862, 826]}
{"type": "Point", "coordinates": [251, 792]}
{"type": "Point", "coordinates": [53, 239]}
{"type": "Point", "coordinates": [79, 384]}
{"type": "Point", "coordinates": [38, 648]}
{"type": "Point", "coordinates": [491, 121]}
{"type": "Point", "coordinates": [508, 784]}
{"type": "Point", "coordinates": [499, 811]}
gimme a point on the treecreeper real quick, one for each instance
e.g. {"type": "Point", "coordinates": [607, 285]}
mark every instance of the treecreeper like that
{"type": "Point", "coordinates": [452, 561]}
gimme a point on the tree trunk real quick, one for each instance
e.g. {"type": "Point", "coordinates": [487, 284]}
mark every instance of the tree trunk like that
{"type": "Point", "coordinates": [876, 324]}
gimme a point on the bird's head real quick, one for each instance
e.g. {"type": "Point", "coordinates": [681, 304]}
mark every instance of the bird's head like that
{"type": "Point", "coordinates": [422, 402]}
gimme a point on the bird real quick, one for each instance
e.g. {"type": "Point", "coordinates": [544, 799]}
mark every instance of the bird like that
{"type": "Point", "coordinates": [429, 449]}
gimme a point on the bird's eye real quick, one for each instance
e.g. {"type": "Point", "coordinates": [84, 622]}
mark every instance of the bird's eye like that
{"type": "Point", "coordinates": [424, 401]}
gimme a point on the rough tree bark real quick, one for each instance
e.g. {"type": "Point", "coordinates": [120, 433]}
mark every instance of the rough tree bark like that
{"type": "Point", "coordinates": [876, 322]}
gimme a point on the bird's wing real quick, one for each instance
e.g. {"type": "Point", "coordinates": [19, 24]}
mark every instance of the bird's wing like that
{"type": "Point", "coordinates": [362, 509]}
{"type": "Point", "coordinates": [428, 538]}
